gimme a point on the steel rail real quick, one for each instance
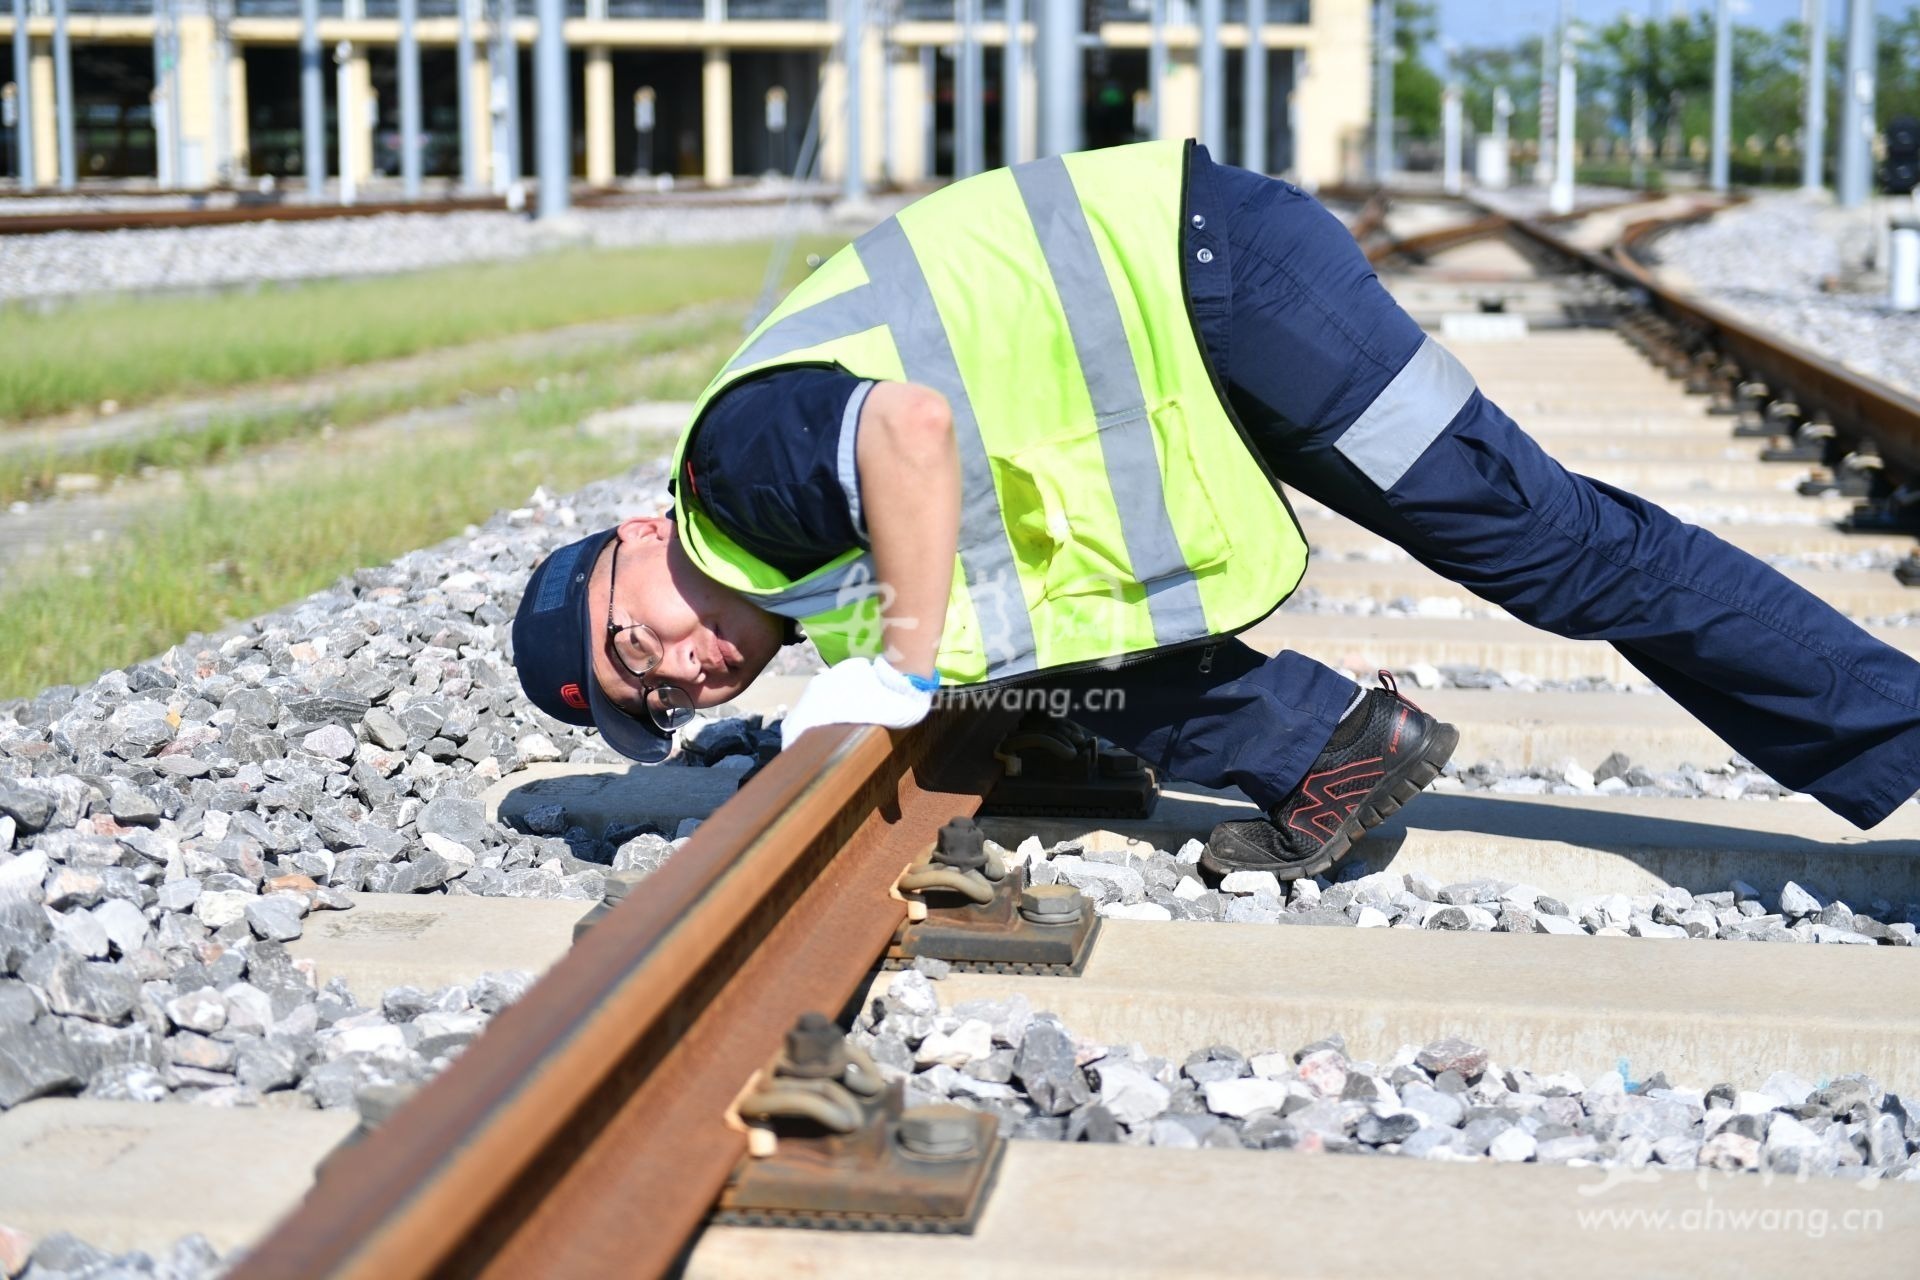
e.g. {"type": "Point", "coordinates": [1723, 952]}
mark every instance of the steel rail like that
{"type": "Point", "coordinates": [1855, 404]}
{"type": "Point", "coordinates": [585, 1134]}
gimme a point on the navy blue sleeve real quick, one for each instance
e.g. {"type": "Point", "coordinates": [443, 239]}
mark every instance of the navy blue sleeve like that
{"type": "Point", "coordinates": [772, 464]}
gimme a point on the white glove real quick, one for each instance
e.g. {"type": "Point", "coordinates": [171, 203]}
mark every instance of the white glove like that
{"type": "Point", "coordinates": [856, 691]}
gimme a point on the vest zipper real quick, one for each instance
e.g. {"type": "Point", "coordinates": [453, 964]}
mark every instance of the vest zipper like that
{"type": "Point", "coordinates": [1206, 659]}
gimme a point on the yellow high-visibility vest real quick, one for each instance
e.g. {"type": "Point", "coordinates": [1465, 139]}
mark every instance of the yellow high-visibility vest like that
{"type": "Point", "coordinates": [1110, 505]}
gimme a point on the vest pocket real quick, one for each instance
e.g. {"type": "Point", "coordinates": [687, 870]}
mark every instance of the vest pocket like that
{"type": "Point", "coordinates": [1102, 511]}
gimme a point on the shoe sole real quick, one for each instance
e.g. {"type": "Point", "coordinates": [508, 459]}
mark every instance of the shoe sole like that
{"type": "Point", "coordinates": [1381, 803]}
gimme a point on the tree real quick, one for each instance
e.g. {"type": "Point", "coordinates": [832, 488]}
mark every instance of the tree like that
{"type": "Point", "coordinates": [1416, 87]}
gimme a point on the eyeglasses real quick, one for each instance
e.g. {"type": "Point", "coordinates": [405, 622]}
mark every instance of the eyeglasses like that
{"type": "Point", "coordinates": [637, 647]}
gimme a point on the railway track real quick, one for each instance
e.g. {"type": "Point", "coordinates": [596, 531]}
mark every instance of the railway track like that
{"type": "Point", "coordinates": [595, 1126]}
{"type": "Point", "coordinates": [164, 211]}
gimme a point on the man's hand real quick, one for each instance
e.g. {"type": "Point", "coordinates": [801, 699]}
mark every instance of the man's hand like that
{"type": "Point", "coordinates": [857, 691]}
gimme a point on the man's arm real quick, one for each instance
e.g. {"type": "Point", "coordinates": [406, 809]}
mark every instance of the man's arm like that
{"type": "Point", "coordinates": [909, 473]}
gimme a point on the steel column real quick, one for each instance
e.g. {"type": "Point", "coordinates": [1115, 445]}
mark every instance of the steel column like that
{"type": "Point", "coordinates": [313, 101]}
{"type": "Point", "coordinates": [1253, 91]}
{"type": "Point", "coordinates": [408, 57]}
{"type": "Point", "coordinates": [63, 97]}
{"type": "Point", "coordinates": [853, 35]}
{"type": "Point", "coordinates": [1013, 72]}
{"type": "Point", "coordinates": [1856, 126]}
{"type": "Point", "coordinates": [1157, 63]}
{"type": "Point", "coordinates": [463, 87]}
{"type": "Point", "coordinates": [22, 96]}
{"type": "Point", "coordinates": [1213, 81]}
{"type": "Point", "coordinates": [1813, 134]}
{"type": "Point", "coordinates": [969, 94]}
{"type": "Point", "coordinates": [1062, 78]}
{"type": "Point", "coordinates": [553, 137]}
{"type": "Point", "coordinates": [1383, 59]}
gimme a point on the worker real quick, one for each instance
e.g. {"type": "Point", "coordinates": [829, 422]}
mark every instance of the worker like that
{"type": "Point", "coordinates": [1035, 428]}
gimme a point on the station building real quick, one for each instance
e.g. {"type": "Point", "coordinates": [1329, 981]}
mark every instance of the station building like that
{"type": "Point", "coordinates": [707, 91]}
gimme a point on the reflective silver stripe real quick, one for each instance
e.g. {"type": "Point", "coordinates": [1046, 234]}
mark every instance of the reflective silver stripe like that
{"type": "Point", "coordinates": [851, 582]}
{"type": "Point", "coordinates": [1421, 401]}
{"type": "Point", "coordinates": [1106, 362]}
{"type": "Point", "coordinates": [845, 463]}
{"type": "Point", "coordinates": [903, 298]}
{"type": "Point", "coordinates": [829, 320]}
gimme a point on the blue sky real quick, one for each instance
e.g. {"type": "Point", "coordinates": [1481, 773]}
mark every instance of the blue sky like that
{"type": "Point", "coordinates": [1480, 22]}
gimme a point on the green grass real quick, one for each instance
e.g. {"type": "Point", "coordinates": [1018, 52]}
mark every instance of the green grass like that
{"type": "Point", "coordinates": [132, 350]}
{"type": "Point", "coordinates": [26, 477]}
{"type": "Point", "coordinates": [193, 563]}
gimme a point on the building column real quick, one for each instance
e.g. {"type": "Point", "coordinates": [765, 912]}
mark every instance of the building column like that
{"type": "Point", "coordinates": [194, 77]}
{"type": "Point", "coordinates": [599, 105]}
{"type": "Point", "coordinates": [366, 109]}
{"type": "Point", "coordinates": [910, 159]}
{"type": "Point", "coordinates": [46, 159]}
{"type": "Point", "coordinates": [240, 138]}
{"type": "Point", "coordinates": [481, 111]}
{"type": "Point", "coordinates": [1180, 114]}
{"type": "Point", "coordinates": [716, 117]}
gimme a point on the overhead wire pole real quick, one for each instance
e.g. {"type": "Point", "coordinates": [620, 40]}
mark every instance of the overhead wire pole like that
{"type": "Point", "coordinates": [1566, 104]}
{"type": "Point", "coordinates": [408, 56]}
{"type": "Point", "coordinates": [552, 137]}
{"type": "Point", "coordinates": [1721, 146]}
{"type": "Point", "coordinates": [1013, 89]}
{"type": "Point", "coordinates": [22, 97]}
{"type": "Point", "coordinates": [1253, 91]}
{"type": "Point", "coordinates": [1062, 77]}
{"type": "Point", "coordinates": [1543, 168]}
{"type": "Point", "coordinates": [1813, 137]}
{"type": "Point", "coordinates": [853, 34]}
{"type": "Point", "coordinates": [346, 118]}
{"type": "Point", "coordinates": [1453, 131]}
{"type": "Point", "coordinates": [1383, 67]}
{"type": "Point", "coordinates": [313, 101]}
{"type": "Point", "coordinates": [969, 98]}
{"type": "Point", "coordinates": [463, 88]}
{"type": "Point", "coordinates": [1213, 81]}
{"type": "Point", "coordinates": [63, 97]}
{"type": "Point", "coordinates": [1856, 121]}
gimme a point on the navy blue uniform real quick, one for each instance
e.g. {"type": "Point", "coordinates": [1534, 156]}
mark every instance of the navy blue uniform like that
{"type": "Point", "coordinates": [1350, 403]}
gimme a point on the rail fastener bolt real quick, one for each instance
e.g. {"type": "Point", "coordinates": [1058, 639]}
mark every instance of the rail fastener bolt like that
{"type": "Point", "coordinates": [1052, 904]}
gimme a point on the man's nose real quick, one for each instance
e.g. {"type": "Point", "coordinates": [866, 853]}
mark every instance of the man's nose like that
{"type": "Point", "coordinates": [681, 664]}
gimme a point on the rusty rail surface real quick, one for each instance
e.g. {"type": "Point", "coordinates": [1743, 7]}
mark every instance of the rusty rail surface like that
{"type": "Point", "coordinates": [1855, 404]}
{"type": "Point", "coordinates": [584, 1134]}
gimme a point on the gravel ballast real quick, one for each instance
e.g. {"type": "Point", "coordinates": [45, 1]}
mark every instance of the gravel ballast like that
{"type": "Point", "coordinates": [67, 263]}
{"type": "Point", "coordinates": [1131, 880]}
{"type": "Point", "coordinates": [1440, 1101]}
{"type": "Point", "coordinates": [1807, 243]}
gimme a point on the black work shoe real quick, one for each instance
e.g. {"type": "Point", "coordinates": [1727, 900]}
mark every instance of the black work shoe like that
{"type": "Point", "coordinates": [1380, 756]}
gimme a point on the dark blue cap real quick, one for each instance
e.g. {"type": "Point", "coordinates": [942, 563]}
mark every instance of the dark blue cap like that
{"type": "Point", "coordinates": [553, 640]}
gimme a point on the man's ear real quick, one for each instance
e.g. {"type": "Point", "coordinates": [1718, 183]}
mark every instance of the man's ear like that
{"type": "Point", "coordinates": [640, 529]}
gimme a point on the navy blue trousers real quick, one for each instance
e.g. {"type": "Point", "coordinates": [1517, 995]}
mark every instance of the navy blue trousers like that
{"type": "Point", "coordinates": [1332, 379]}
